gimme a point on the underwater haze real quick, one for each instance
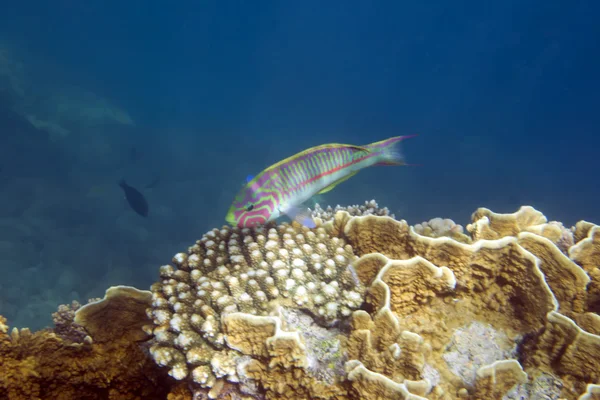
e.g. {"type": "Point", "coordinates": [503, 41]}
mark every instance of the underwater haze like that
{"type": "Point", "coordinates": [183, 100]}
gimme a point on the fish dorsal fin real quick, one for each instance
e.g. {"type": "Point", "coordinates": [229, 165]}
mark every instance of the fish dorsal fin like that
{"type": "Point", "coordinates": [334, 184]}
{"type": "Point", "coordinates": [247, 180]}
{"type": "Point", "coordinates": [357, 148]}
{"type": "Point", "coordinates": [361, 148]}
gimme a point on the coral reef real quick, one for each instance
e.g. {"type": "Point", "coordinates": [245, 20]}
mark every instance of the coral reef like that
{"type": "Point", "coordinates": [105, 364]}
{"type": "Point", "coordinates": [514, 278]}
{"type": "Point", "coordinates": [362, 307]}
{"type": "Point", "coordinates": [64, 324]}
{"type": "Point", "coordinates": [438, 227]}
{"type": "Point", "coordinates": [503, 309]}
{"type": "Point", "coordinates": [369, 208]}
{"type": "Point", "coordinates": [222, 301]}
{"type": "Point", "coordinates": [121, 313]}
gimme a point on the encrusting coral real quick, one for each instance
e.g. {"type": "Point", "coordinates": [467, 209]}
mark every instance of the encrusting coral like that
{"type": "Point", "coordinates": [362, 307]}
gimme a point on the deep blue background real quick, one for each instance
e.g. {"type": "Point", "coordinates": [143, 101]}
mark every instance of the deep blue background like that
{"type": "Point", "coordinates": [505, 97]}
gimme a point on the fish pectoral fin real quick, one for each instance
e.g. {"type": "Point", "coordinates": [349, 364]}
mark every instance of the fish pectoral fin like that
{"type": "Point", "coordinates": [328, 188]}
{"type": "Point", "coordinates": [334, 184]}
{"type": "Point", "coordinates": [302, 215]}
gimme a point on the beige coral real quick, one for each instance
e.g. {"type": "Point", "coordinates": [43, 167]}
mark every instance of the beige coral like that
{"type": "Point", "coordinates": [489, 225]}
{"type": "Point", "coordinates": [121, 313]}
{"type": "Point", "coordinates": [568, 351]}
{"type": "Point", "coordinates": [438, 227]}
{"type": "Point", "coordinates": [508, 274]}
{"type": "Point", "coordinates": [226, 293]}
{"type": "Point", "coordinates": [368, 208]}
{"type": "Point", "coordinates": [442, 316]}
{"type": "Point", "coordinates": [592, 393]}
{"type": "Point", "coordinates": [586, 253]}
{"type": "Point", "coordinates": [44, 365]}
{"type": "Point", "coordinates": [361, 307]}
{"type": "Point", "coordinates": [367, 384]}
{"type": "Point", "coordinates": [495, 380]}
{"type": "Point", "coordinates": [505, 278]}
{"type": "Point", "coordinates": [567, 280]}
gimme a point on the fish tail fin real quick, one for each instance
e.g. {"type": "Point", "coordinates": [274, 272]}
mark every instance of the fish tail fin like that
{"type": "Point", "coordinates": [122, 182]}
{"type": "Point", "coordinates": [390, 151]}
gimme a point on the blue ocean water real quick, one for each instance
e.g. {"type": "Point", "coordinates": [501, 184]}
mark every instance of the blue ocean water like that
{"type": "Point", "coordinates": [184, 100]}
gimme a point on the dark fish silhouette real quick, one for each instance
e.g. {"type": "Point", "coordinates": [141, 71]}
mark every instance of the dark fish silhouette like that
{"type": "Point", "coordinates": [136, 200]}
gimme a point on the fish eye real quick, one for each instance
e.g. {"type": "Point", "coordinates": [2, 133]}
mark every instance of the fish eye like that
{"type": "Point", "coordinates": [249, 207]}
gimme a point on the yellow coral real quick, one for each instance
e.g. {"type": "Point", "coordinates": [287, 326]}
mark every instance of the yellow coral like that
{"type": "Point", "coordinates": [367, 384]}
{"type": "Point", "coordinates": [566, 279]}
{"type": "Point", "coordinates": [42, 365]}
{"type": "Point", "coordinates": [121, 313]}
{"type": "Point", "coordinates": [567, 350]}
{"type": "Point", "coordinates": [505, 279]}
{"type": "Point", "coordinates": [489, 225]}
{"type": "Point", "coordinates": [493, 381]}
{"type": "Point", "coordinates": [586, 253]}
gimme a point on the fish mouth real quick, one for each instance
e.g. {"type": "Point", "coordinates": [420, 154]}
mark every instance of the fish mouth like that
{"type": "Point", "coordinates": [230, 218]}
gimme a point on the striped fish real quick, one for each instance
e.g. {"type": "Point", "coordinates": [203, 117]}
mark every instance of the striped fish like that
{"type": "Point", "coordinates": [283, 187]}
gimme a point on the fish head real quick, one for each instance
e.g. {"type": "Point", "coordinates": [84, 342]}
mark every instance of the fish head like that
{"type": "Point", "coordinates": [253, 206]}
